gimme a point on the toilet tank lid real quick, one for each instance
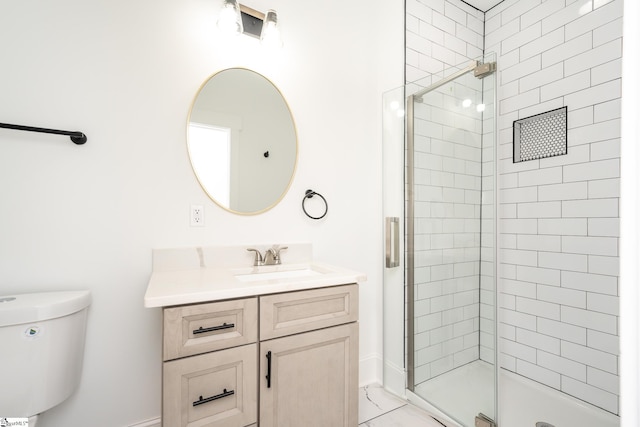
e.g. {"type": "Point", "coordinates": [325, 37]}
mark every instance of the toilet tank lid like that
{"type": "Point", "coordinates": [26, 308]}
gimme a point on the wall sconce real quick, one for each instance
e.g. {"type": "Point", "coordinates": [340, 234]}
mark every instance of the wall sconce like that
{"type": "Point", "coordinates": [238, 18]}
{"type": "Point", "coordinates": [229, 20]}
{"type": "Point", "coordinates": [270, 35]}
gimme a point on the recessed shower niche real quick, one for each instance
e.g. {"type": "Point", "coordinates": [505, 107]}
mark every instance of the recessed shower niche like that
{"type": "Point", "coordinates": [540, 136]}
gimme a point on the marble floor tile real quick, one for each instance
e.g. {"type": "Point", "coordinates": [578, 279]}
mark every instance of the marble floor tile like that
{"type": "Point", "coordinates": [379, 408]}
{"type": "Point", "coordinates": [375, 401]}
{"type": "Point", "coordinates": [405, 416]}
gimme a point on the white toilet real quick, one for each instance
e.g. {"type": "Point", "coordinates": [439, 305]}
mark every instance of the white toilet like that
{"type": "Point", "coordinates": [41, 350]}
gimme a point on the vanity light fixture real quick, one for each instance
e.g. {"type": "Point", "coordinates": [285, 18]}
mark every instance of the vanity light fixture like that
{"type": "Point", "coordinates": [238, 18]}
{"type": "Point", "coordinates": [230, 20]}
{"type": "Point", "coordinates": [270, 35]}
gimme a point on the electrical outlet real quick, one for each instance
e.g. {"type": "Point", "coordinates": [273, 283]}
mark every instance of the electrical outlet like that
{"type": "Point", "coordinates": [196, 217]}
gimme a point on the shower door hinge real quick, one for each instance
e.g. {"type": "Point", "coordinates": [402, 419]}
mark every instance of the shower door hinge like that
{"type": "Point", "coordinates": [483, 70]}
{"type": "Point", "coordinates": [483, 421]}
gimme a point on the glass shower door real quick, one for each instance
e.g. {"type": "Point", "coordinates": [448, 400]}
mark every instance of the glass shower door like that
{"type": "Point", "coordinates": [450, 224]}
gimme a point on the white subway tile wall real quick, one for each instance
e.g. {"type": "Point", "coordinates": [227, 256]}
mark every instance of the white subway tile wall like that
{"type": "Point", "coordinates": [449, 173]}
{"type": "Point", "coordinates": [559, 217]}
{"type": "Point", "coordinates": [560, 223]}
{"type": "Point", "coordinates": [441, 34]}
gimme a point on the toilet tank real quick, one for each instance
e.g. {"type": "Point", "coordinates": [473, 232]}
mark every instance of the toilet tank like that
{"type": "Point", "coordinates": [42, 339]}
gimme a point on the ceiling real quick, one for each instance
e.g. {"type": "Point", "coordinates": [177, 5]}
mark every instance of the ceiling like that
{"type": "Point", "coordinates": [483, 5]}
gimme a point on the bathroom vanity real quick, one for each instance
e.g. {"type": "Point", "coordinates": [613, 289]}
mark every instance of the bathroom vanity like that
{"type": "Point", "coordinates": [273, 346]}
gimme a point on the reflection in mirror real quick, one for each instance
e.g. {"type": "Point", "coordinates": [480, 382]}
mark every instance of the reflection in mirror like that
{"type": "Point", "coordinates": [211, 157]}
{"type": "Point", "coordinates": [242, 141]}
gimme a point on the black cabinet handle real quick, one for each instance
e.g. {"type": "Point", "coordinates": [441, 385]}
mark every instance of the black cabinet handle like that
{"type": "Point", "coordinates": [225, 393]}
{"type": "Point", "coordinates": [268, 377]}
{"type": "Point", "coordinates": [202, 330]}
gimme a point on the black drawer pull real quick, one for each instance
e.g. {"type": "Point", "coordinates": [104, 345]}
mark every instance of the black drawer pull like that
{"type": "Point", "coordinates": [224, 393]}
{"type": "Point", "coordinates": [268, 377]}
{"type": "Point", "coordinates": [202, 330]}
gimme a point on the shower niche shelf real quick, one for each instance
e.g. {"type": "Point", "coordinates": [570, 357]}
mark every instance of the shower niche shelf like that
{"type": "Point", "coordinates": [540, 136]}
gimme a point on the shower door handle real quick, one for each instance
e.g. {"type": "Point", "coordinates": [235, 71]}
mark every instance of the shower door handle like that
{"type": "Point", "coordinates": [392, 241]}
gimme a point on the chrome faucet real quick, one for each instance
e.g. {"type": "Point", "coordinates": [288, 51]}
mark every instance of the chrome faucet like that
{"type": "Point", "coordinates": [271, 256]}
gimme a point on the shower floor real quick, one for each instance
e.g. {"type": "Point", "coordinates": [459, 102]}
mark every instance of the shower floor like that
{"type": "Point", "coordinates": [466, 384]}
{"type": "Point", "coordinates": [523, 402]}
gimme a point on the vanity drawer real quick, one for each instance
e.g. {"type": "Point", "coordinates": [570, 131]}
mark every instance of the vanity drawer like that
{"type": "Point", "coordinates": [201, 328]}
{"type": "Point", "coordinates": [215, 389]}
{"type": "Point", "coordinates": [302, 311]}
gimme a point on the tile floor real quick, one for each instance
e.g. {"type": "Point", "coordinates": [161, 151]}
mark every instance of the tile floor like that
{"type": "Point", "coordinates": [378, 408]}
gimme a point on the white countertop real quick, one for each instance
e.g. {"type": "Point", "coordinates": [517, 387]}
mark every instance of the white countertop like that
{"type": "Point", "coordinates": [195, 285]}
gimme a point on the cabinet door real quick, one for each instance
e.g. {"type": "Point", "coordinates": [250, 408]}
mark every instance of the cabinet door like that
{"type": "Point", "coordinates": [310, 379]}
{"type": "Point", "coordinates": [214, 389]}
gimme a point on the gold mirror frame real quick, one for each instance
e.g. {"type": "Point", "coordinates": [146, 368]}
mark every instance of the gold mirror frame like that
{"type": "Point", "coordinates": [235, 94]}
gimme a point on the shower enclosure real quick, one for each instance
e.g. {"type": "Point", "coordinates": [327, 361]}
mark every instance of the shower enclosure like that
{"type": "Point", "coordinates": [449, 218]}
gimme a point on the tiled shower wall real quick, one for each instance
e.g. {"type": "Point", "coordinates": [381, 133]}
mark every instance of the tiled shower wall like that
{"type": "Point", "coordinates": [448, 174]}
{"type": "Point", "coordinates": [559, 216]}
{"type": "Point", "coordinates": [447, 228]}
{"type": "Point", "coordinates": [441, 34]}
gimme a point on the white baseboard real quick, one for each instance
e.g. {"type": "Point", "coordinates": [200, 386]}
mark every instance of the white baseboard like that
{"type": "Point", "coordinates": [154, 422]}
{"type": "Point", "coordinates": [370, 370]}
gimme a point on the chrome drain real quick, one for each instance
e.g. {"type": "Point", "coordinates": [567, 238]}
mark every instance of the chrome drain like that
{"type": "Point", "coordinates": [543, 424]}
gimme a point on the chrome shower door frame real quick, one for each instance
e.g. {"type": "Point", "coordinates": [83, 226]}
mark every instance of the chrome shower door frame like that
{"type": "Point", "coordinates": [481, 70]}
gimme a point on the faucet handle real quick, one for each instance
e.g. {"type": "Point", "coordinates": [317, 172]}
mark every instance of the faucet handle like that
{"type": "Point", "coordinates": [275, 252]}
{"type": "Point", "coordinates": [277, 249]}
{"type": "Point", "coordinates": [258, 260]}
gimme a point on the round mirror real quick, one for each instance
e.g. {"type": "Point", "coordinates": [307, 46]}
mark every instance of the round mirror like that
{"type": "Point", "coordinates": [242, 141]}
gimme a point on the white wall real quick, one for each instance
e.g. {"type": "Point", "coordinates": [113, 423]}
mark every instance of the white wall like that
{"type": "Point", "coordinates": [559, 216]}
{"type": "Point", "coordinates": [629, 221]}
{"type": "Point", "coordinates": [125, 73]}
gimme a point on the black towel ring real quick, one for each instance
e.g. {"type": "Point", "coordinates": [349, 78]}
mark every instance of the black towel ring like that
{"type": "Point", "coordinates": [309, 194]}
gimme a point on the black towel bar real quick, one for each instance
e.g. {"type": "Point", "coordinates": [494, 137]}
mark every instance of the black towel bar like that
{"type": "Point", "coordinates": [78, 138]}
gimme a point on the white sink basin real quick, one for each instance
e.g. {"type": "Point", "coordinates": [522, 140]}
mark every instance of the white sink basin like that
{"type": "Point", "coordinates": [264, 274]}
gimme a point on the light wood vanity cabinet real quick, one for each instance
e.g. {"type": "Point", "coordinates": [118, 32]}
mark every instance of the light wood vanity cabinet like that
{"type": "Point", "coordinates": [297, 361]}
